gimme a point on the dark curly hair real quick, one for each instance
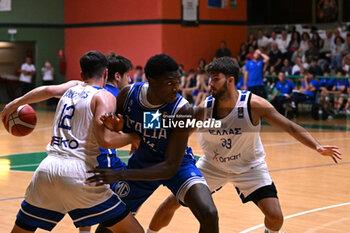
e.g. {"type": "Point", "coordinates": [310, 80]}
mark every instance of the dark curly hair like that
{"type": "Point", "coordinates": [226, 65]}
{"type": "Point", "coordinates": [159, 65]}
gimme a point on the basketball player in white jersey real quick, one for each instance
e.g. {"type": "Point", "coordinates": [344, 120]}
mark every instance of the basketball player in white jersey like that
{"type": "Point", "coordinates": [58, 185]}
{"type": "Point", "coordinates": [234, 153]}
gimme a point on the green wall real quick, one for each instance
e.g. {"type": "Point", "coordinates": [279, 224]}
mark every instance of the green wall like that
{"type": "Point", "coordinates": [34, 11]}
{"type": "Point", "coordinates": [39, 21]}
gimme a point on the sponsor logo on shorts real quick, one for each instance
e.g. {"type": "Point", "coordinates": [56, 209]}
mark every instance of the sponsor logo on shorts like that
{"type": "Point", "coordinates": [122, 189]}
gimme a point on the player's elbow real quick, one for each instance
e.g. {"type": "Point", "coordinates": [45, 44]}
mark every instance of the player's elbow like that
{"type": "Point", "coordinates": [104, 142]}
{"type": "Point", "coordinates": [52, 91]}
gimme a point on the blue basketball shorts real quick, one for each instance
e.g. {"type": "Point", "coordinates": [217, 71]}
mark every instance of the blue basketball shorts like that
{"type": "Point", "coordinates": [135, 193]}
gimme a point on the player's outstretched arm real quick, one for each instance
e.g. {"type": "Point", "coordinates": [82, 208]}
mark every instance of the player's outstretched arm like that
{"type": "Point", "coordinates": [262, 108]}
{"type": "Point", "coordinates": [36, 95]}
{"type": "Point", "coordinates": [163, 170]}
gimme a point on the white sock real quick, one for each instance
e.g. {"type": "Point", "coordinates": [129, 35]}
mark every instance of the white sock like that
{"type": "Point", "coordinates": [84, 231]}
{"type": "Point", "coordinates": [150, 231]}
{"type": "Point", "coordinates": [270, 231]}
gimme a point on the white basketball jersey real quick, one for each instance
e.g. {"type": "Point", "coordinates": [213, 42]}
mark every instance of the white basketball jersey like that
{"type": "Point", "coordinates": [236, 146]}
{"type": "Point", "coordinates": [72, 133]}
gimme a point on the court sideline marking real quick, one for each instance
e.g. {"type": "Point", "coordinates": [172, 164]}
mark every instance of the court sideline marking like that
{"type": "Point", "coordinates": [273, 170]}
{"type": "Point", "coordinates": [320, 227]}
{"type": "Point", "coordinates": [36, 164]}
{"type": "Point", "coordinates": [298, 214]}
{"type": "Point", "coordinates": [11, 198]}
{"type": "Point", "coordinates": [294, 143]}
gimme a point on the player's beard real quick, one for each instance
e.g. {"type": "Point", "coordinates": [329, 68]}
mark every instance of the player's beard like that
{"type": "Point", "coordinates": [220, 92]}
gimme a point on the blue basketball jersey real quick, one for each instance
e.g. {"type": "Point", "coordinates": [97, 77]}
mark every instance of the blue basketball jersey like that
{"type": "Point", "coordinates": [153, 141]}
{"type": "Point", "coordinates": [112, 89]}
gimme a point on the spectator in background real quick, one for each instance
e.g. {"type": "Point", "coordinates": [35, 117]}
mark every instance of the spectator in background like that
{"type": "Point", "coordinates": [182, 70]}
{"type": "Point", "coordinates": [286, 68]}
{"type": "Point", "coordinates": [347, 105]}
{"type": "Point", "coordinates": [314, 68]}
{"type": "Point", "coordinates": [298, 68]}
{"type": "Point", "coordinates": [250, 54]}
{"type": "Point", "coordinates": [223, 51]}
{"type": "Point", "coordinates": [311, 53]}
{"type": "Point", "coordinates": [47, 73]}
{"type": "Point", "coordinates": [138, 76]}
{"type": "Point", "coordinates": [188, 85]}
{"type": "Point", "coordinates": [242, 56]}
{"type": "Point", "coordinates": [307, 91]}
{"type": "Point", "coordinates": [252, 42]}
{"type": "Point", "coordinates": [275, 61]}
{"type": "Point", "coordinates": [253, 74]}
{"type": "Point", "coordinates": [201, 64]}
{"type": "Point", "coordinates": [346, 63]}
{"type": "Point", "coordinates": [202, 87]}
{"type": "Point", "coordinates": [317, 40]}
{"type": "Point", "coordinates": [283, 43]}
{"type": "Point", "coordinates": [263, 42]}
{"type": "Point", "coordinates": [325, 51]}
{"type": "Point", "coordinates": [340, 89]}
{"type": "Point", "coordinates": [283, 93]}
{"type": "Point", "coordinates": [328, 83]}
{"type": "Point", "coordinates": [25, 79]}
{"type": "Point", "coordinates": [240, 83]}
{"type": "Point", "coordinates": [326, 86]}
{"type": "Point", "coordinates": [304, 44]}
{"type": "Point", "coordinates": [337, 53]}
{"type": "Point", "coordinates": [273, 40]}
{"type": "Point", "coordinates": [293, 46]}
{"type": "Point", "coordinates": [337, 32]}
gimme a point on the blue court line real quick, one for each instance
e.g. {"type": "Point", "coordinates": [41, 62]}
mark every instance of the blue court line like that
{"type": "Point", "coordinates": [11, 198]}
{"type": "Point", "coordinates": [313, 166]}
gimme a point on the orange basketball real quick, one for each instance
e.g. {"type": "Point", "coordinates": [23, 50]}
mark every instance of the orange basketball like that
{"type": "Point", "coordinates": [21, 122]}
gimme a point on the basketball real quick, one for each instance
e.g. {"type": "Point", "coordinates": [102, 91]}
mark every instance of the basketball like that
{"type": "Point", "coordinates": [21, 122]}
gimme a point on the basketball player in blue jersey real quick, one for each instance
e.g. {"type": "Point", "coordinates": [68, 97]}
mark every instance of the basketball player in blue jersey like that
{"type": "Point", "coordinates": [163, 157]}
{"type": "Point", "coordinates": [119, 69]}
{"type": "Point", "coordinates": [234, 153]}
{"type": "Point", "coordinates": [58, 185]}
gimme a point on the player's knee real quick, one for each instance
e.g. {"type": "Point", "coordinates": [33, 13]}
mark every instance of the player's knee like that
{"type": "Point", "coordinates": [275, 217]}
{"type": "Point", "coordinates": [209, 215]}
{"type": "Point", "coordinates": [172, 204]}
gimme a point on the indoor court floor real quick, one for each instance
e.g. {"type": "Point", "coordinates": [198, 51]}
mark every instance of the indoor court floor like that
{"type": "Point", "coordinates": [313, 191]}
